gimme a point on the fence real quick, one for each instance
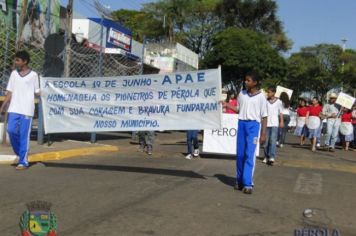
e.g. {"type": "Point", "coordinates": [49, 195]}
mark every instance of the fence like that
{"type": "Point", "coordinates": [84, 61]}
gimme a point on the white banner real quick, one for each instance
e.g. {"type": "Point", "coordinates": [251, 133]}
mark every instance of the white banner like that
{"type": "Point", "coordinates": [177, 101]}
{"type": "Point", "coordinates": [224, 140]}
{"type": "Point", "coordinates": [281, 89]}
{"type": "Point", "coordinates": [345, 100]}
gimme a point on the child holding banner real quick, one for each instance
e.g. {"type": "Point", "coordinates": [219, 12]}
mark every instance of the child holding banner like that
{"type": "Point", "coordinates": [21, 89]}
{"type": "Point", "coordinates": [231, 99]}
{"type": "Point", "coordinates": [252, 114]}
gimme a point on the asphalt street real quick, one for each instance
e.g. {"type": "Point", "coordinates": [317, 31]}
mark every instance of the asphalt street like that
{"type": "Point", "coordinates": [131, 193]}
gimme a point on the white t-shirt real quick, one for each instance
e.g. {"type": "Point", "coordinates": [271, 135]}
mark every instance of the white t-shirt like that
{"type": "Point", "coordinates": [23, 89]}
{"type": "Point", "coordinates": [274, 109]}
{"type": "Point", "coordinates": [252, 107]}
{"type": "Point", "coordinates": [285, 111]}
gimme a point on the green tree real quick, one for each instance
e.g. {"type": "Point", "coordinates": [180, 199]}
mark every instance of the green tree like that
{"type": "Point", "coordinates": [348, 74]}
{"type": "Point", "coordinates": [241, 50]}
{"type": "Point", "coordinates": [257, 15]}
{"type": "Point", "coordinates": [141, 23]}
{"type": "Point", "coordinates": [315, 69]}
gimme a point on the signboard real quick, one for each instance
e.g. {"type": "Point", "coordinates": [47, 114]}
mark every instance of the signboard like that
{"type": "Point", "coordinates": [223, 140]}
{"type": "Point", "coordinates": [119, 39]}
{"type": "Point", "coordinates": [177, 101]}
{"type": "Point", "coordinates": [116, 37]}
{"type": "Point", "coordinates": [345, 100]}
{"type": "Point", "coordinates": [281, 89]}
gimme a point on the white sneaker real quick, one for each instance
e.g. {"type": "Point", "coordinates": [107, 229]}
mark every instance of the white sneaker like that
{"type": "Point", "coordinates": [281, 145]}
{"type": "Point", "coordinates": [189, 157]}
{"type": "Point", "coordinates": [196, 153]}
{"type": "Point", "coordinates": [277, 143]}
{"type": "Point", "coordinates": [318, 145]}
{"type": "Point", "coordinates": [271, 160]}
{"type": "Point", "coordinates": [264, 160]}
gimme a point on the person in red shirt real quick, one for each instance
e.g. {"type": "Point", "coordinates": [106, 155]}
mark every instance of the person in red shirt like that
{"type": "Point", "coordinates": [354, 123]}
{"type": "Point", "coordinates": [346, 129]}
{"type": "Point", "coordinates": [231, 99]}
{"type": "Point", "coordinates": [313, 122]}
{"type": "Point", "coordinates": [301, 130]}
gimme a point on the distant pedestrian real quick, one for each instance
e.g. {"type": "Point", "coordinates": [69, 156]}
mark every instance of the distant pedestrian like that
{"type": "Point", "coordinates": [274, 122]}
{"type": "Point", "coordinates": [192, 144]}
{"type": "Point", "coordinates": [146, 140]}
{"type": "Point", "coordinates": [331, 111]}
{"type": "Point", "coordinates": [301, 129]}
{"type": "Point", "coordinates": [346, 128]}
{"type": "Point", "coordinates": [282, 132]}
{"type": "Point", "coordinates": [252, 115]}
{"type": "Point", "coordinates": [21, 90]}
{"type": "Point", "coordinates": [313, 122]}
{"type": "Point", "coordinates": [354, 123]}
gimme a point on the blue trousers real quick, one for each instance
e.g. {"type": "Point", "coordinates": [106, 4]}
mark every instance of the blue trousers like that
{"type": "Point", "coordinates": [19, 129]}
{"type": "Point", "coordinates": [192, 140]}
{"type": "Point", "coordinates": [247, 138]}
{"type": "Point", "coordinates": [271, 142]}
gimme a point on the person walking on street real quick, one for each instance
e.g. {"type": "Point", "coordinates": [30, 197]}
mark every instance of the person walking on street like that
{"type": "Point", "coordinates": [192, 144]}
{"type": "Point", "coordinates": [146, 140]}
{"type": "Point", "coordinates": [282, 132]}
{"type": "Point", "coordinates": [331, 111]}
{"type": "Point", "coordinates": [354, 124]}
{"type": "Point", "coordinates": [21, 90]}
{"type": "Point", "coordinates": [274, 121]}
{"type": "Point", "coordinates": [346, 128]}
{"type": "Point", "coordinates": [301, 130]}
{"type": "Point", "coordinates": [252, 115]}
{"type": "Point", "coordinates": [313, 122]}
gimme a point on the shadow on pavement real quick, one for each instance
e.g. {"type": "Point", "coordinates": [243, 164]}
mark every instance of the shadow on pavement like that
{"type": "Point", "coordinates": [217, 156]}
{"type": "Point", "coordinates": [230, 181]}
{"type": "Point", "coordinates": [145, 170]}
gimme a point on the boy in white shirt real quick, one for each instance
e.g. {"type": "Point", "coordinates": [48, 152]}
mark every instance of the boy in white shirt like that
{"type": "Point", "coordinates": [21, 89]}
{"type": "Point", "coordinates": [274, 121]}
{"type": "Point", "coordinates": [252, 115]}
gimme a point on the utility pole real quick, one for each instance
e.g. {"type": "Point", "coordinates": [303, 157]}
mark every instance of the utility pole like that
{"type": "Point", "coordinates": [21, 21]}
{"type": "Point", "coordinates": [68, 39]}
{"type": "Point", "coordinates": [48, 17]}
{"type": "Point", "coordinates": [344, 40]}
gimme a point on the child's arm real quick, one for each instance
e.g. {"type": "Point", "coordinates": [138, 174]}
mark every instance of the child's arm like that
{"type": "Point", "coordinates": [281, 121]}
{"type": "Point", "coordinates": [263, 130]}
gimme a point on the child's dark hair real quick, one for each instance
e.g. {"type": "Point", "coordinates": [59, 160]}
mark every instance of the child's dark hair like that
{"type": "Point", "coordinates": [229, 93]}
{"type": "Point", "coordinates": [23, 55]}
{"type": "Point", "coordinates": [272, 89]}
{"type": "Point", "coordinates": [285, 99]}
{"type": "Point", "coordinates": [254, 76]}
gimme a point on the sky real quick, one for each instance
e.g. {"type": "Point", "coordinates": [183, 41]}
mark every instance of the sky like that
{"type": "Point", "coordinates": [306, 22]}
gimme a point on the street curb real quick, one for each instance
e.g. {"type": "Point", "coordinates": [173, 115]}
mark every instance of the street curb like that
{"type": "Point", "coordinates": [71, 153]}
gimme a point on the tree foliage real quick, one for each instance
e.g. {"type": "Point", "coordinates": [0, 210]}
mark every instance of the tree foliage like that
{"type": "Point", "coordinates": [241, 50]}
{"type": "Point", "coordinates": [194, 22]}
{"type": "Point", "coordinates": [315, 69]}
{"type": "Point", "coordinates": [141, 23]}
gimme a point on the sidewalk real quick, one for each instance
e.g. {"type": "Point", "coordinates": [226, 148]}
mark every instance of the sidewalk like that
{"type": "Point", "coordinates": [58, 150]}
